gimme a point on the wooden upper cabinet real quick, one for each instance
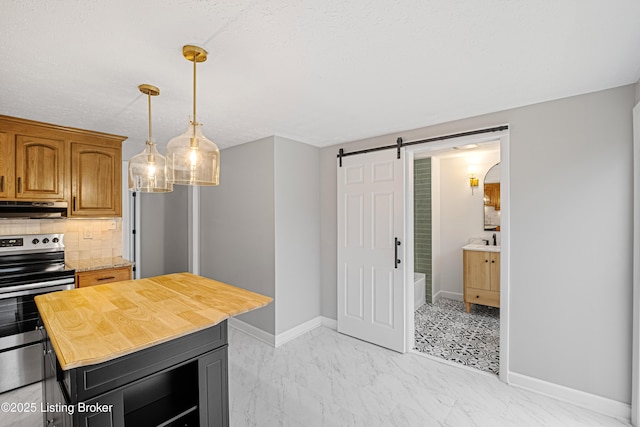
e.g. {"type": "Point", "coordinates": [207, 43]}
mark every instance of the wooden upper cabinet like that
{"type": "Point", "coordinates": [7, 164]}
{"type": "Point", "coordinates": [96, 181]}
{"type": "Point", "coordinates": [41, 161]}
{"type": "Point", "coordinates": [40, 167]}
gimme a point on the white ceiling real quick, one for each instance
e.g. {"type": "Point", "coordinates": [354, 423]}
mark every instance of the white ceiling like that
{"type": "Point", "coordinates": [321, 72]}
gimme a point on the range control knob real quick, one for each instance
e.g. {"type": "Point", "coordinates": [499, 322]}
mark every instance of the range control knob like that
{"type": "Point", "coordinates": [56, 240]}
{"type": "Point", "coordinates": [35, 241]}
{"type": "Point", "coordinates": [45, 240]}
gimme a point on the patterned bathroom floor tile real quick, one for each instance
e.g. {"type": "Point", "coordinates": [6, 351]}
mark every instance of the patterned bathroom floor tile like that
{"type": "Point", "coordinates": [446, 330]}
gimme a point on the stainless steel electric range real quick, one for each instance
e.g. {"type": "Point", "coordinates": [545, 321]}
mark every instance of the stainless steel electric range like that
{"type": "Point", "coordinates": [30, 265]}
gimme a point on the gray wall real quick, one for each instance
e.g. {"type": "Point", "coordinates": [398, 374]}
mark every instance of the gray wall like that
{"type": "Point", "coordinates": [571, 236]}
{"type": "Point", "coordinates": [152, 235]}
{"type": "Point", "coordinates": [176, 230]}
{"type": "Point", "coordinates": [237, 223]}
{"type": "Point", "coordinates": [297, 233]}
{"type": "Point", "coordinates": [260, 229]}
{"type": "Point", "coordinates": [164, 232]}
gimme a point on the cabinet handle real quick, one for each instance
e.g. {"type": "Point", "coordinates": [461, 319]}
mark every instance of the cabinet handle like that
{"type": "Point", "coordinates": [395, 257]}
{"type": "Point", "coordinates": [74, 203]}
{"type": "Point", "coordinates": [19, 184]}
{"type": "Point", "coordinates": [2, 183]}
{"type": "Point", "coordinates": [107, 278]}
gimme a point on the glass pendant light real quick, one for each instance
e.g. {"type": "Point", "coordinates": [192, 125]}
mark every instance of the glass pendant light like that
{"type": "Point", "coordinates": [192, 159]}
{"type": "Point", "coordinates": [147, 170]}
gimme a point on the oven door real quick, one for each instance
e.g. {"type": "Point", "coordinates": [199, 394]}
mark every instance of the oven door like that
{"type": "Point", "coordinates": [20, 335]}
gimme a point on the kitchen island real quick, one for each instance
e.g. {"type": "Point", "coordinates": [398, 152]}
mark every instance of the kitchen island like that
{"type": "Point", "coordinates": [147, 352]}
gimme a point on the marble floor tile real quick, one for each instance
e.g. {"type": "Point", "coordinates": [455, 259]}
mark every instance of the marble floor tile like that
{"type": "Point", "coordinates": [28, 394]}
{"type": "Point", "coordinates": [324, 378]}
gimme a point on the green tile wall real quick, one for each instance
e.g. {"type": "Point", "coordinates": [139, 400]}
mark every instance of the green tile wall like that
{"type": "Point", "coordinates": [422, 220]}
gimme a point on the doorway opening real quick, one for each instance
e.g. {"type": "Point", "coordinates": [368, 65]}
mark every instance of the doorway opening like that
{"type": "Point", "coordinates": [444, 214]}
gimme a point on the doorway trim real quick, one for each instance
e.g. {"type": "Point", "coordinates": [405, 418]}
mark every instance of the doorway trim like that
{"type": "Point", "coordinates": [505, 282]}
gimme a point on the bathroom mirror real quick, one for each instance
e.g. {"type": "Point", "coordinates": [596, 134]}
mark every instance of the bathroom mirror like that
{"type": "Point", "coordinates": [492, 199]}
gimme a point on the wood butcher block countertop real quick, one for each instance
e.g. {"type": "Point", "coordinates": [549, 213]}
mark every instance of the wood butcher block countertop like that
{"type": "Point", "coordinates": [92, 325]}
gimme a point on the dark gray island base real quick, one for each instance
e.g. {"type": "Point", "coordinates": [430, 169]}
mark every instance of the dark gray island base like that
{"type": "Point", "coordinates": [182, 382]}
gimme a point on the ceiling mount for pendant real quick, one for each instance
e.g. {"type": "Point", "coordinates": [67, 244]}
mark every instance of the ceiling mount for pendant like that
{"type": "Point", "coordinates": [194, 53]}
{"type": "Point", "coordinates": [148, 89]}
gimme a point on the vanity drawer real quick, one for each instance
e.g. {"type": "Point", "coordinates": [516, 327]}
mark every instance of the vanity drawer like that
{"type": "Point", "coordinates": [102, 276]}
{"type": "Point", "coordinates": [480, 296]}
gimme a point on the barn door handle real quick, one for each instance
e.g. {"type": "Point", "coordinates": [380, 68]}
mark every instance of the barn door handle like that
{"type": "Point", "coordinates": [397, 243]}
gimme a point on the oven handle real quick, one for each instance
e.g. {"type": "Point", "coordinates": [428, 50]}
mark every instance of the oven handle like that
{"type": "Point", "coordinates": [13, 251]}
{"type": "Point", "coordinates": [37, 288]}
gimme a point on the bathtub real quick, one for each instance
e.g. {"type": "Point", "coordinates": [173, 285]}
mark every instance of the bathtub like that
{"type": "Point", "coordinates": [419, 290]}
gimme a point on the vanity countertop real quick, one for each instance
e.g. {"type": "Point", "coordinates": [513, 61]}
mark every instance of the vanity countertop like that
{"type": "Point", "coordinates": [98, 264]}
{"type": "Point", "coordinates": [481, 248]}
{"type": "Point", "coordinates": [96, 324]}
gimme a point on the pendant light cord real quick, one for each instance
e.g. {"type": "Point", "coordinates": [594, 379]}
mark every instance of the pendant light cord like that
{"type": "Point", "coordinates": [150, 129]}
{"type": "Point", "coordinates": [195, 60]}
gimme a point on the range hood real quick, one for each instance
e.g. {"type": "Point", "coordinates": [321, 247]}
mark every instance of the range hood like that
{"type": "Point", "coordinates": [32, 209]}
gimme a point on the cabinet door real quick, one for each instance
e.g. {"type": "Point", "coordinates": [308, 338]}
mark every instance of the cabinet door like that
{"type": "Point", "coordinates": [213, 388]}
{"type": "Point", "coordinates": [95, 180]}
{"type": "Point", "coordinates": [104, 411]}
{"type": "Point", "coordinates": [39, 168]}
{"type": "Point", "coordinates": [7, 162]}
{"type": "Point", "coordinates": [495, 271]}
{"type": "Point", "coordinates": [477, 270]}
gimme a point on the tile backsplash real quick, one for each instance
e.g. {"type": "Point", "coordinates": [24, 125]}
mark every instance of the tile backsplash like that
{"type": "Point", "coordinates": [84, 239]}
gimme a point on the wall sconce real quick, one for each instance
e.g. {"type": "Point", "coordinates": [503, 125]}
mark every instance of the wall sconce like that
{"type": "Point", "coordinates": [473, 177]}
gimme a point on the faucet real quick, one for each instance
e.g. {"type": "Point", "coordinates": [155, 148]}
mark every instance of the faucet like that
{"type": "Point", "coordinates": [494, 240]}
{"type": "Point", "coordinates": [486, 242]}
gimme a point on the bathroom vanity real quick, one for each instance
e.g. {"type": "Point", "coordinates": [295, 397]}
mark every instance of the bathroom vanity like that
{"type": "Point", "coordinates": [140, 352]}
{"type": "Point", "coordinates": [481, 275]}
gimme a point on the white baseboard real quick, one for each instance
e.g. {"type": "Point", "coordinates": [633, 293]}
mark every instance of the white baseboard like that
{"type": "Point", "coordinates": [450, 295]}
{"type": "Point", "coordinates": [296, 331]}
{"type": "Point", "coordinates": [291, 334]}
{"type": "Point", "coordinates": [590, 401]}
{"type": "Point", "coordinates": [248, 329]}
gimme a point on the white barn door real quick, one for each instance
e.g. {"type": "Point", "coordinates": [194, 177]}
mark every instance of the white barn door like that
{"type": "Point", "coordinates": [371, 291]}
